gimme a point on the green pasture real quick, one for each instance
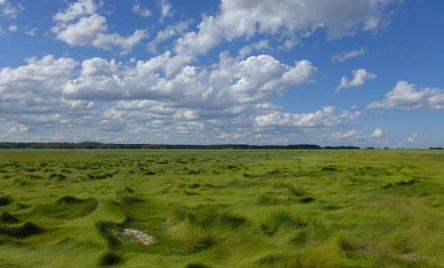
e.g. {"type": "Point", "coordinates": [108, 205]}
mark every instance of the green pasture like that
{"type": "Point", "coordinates": [225, 208]}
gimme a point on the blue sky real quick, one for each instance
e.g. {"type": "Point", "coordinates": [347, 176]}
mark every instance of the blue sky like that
{"type": "Point", "coordinates": [342, 72]}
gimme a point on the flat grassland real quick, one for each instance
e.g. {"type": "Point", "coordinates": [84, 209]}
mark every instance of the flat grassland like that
{"type": "Point", "coordinates": [295, 209]}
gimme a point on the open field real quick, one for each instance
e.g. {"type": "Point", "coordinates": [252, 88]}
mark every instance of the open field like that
{"type": "Point", "coordinates": [302, 209]}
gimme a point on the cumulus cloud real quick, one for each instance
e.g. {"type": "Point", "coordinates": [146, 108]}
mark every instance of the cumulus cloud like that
{"type": "Point", "coordinates": [169, 94]}
{"type": "Point", "coordinates": [259, 46]}
{"type": "Point", "coordinates": [165, 9]}
{"type": "Point", "coordinates": [10, 10]}
{"type": "Point", "coordinates": [141, 11]}
{"type": "Point", "coordinates": [76, 10]}
{"type": "Point", "coordinates": [171, 31]}
{"type": "Point", "coordinates": [292, 19]}
{"type": "Point", "coordinates": [377, 133]}
{"type": "Point", "coordinates": [341, 57]}
{"type": "Point", "coordinates": [320, 119]}
{"type": "Point", "coordinates": [80, 25]}
{"type": "Point", "coordinates": [112, 96]}
{"type": "Point", "coordinates": [13, 28]}
{"type": "Point", "coordinates": [407, 97]}
{"type": "Point", "coordinates": [359, 78]}
{"type": "Point", "coordinates": [249, 81]}
{"type": "Point", "coordinates": [45, 75]}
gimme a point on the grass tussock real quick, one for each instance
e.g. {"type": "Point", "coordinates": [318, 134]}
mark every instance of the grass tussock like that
{"type": "Point", "coordinates": [5, 201]}
{"type": "Point", "coordinates": [207, 218]}
{"type": "Point", "coordinates": [20, 231]}
{"type": "Point", "coordinates": [6, 217]}
{"type": "Point", "coordinates": [110, 259]}
{"type": "Point", "coordinates": [68, 207]}
{"type": "Point", "coordinates": [281, 221]}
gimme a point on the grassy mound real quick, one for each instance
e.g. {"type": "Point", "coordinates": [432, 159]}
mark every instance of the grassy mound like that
{"type": "Point", "coordinates": [21, 231]}
{"type": "Point", "coordinates": [208, 218]}
{"type": "Point", "coordinates": [5, 201]}
{"type": "Point", "coordinates": [68, 207]}
{"type": "Point", "coordinates": [281, 221]}
{"type": "Point", "coordinates": [110, 259]}
{"type": "Point", "coordinates": [6, 217]}
{"type": "Point", "coordinates": [194, 243]}
{"type": "Point", "coordinates": [128, 197]}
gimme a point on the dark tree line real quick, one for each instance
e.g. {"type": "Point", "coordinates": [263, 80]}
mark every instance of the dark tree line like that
{"type": "Point", "coordinates": [98, 145]}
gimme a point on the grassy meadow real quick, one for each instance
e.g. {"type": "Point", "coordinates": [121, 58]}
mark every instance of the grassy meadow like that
{"type": "Point", "coordinates": [227, 208]}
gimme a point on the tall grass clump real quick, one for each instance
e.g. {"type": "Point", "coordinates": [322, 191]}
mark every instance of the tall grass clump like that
{"type": "Point", "coordinates": [281, 221]}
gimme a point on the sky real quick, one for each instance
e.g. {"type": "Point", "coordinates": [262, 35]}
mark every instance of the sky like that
{"type": "Point", "coordinates": [337, 72]}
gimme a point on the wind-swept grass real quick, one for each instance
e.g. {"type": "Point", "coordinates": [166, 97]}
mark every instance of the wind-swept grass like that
{"type": "Point", "coordinates": [240, 209]}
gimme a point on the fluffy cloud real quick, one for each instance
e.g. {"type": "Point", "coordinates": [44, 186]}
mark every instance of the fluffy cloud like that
{"type": "Point", "coordinates": [110, 96]}
{"type": "Point", "coordinates": [172, 30]}
{"type": "Point", "coordinates": [259, 46]}
{"type": "Point", "coordinates": [165, 9]}
{"type": "Point", "coordinates": [341, 57]}
{"type": "Point", "coordinates": [377, 133]}
{"type": "Point", "coordinates": [300, 16]}
{"type": "Point", "coordinates": [45, 75]}
{"type": "Point", "coordinates": [231, 82]}
{"type": "Point", "coordinates": [322, 118]}
{"type": "Point", "coordinates": [80, 25]}
{"type": "Point", "coordinates": [142, 11]}
{"type": "Point", "coordinates": [13, 28]}
{"type": "Point", "coordinates": [76, 10]}
{"type": "Point", "coordinates": [407, 97]}
{"type": "Point", "coordinates": [290, 20]}
{"type": "Point", "coordinates": [359, 78]}
{"type": "Point", "coordinates": [10, 10]}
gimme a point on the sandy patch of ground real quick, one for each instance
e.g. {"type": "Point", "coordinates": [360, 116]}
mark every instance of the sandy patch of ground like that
{"type": "Point", "coordinates": [139, 236]}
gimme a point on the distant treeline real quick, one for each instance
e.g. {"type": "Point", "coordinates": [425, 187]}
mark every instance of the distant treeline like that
{"type": "Point", "coordinates": [98, 145]}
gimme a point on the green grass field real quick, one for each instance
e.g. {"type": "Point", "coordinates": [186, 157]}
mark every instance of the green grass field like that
{"type": "Point", "coordinates": [302, 209]}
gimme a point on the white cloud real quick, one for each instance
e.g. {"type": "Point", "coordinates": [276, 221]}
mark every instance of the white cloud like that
{"type": "Point", "coordinates": [110, 96]}
{"type": "Point", "coordinates": [341, 57]}
{"type": "Point", "coordinates": [32, 32]}
{"type": "Point", "coordinates": [45, 75]}
{"type": "Point", "coordinates": [76, 10]}
{"type": "Point", "coordinates": [412, 138]}
{"type": "Point", "coordinates": [19, 128]}
{"type": "Point", "coordinates": [347, 135]}
{"type": "Point", "coordinates": [172, 30]}
{"type": "Point", "coordinates": [320, 119]}
{"type": "Point", "coordinates": [377, 133]}
{"type": "Point", "coordinates": [407, 97]}
{"type": "Point", "coordinates": [293, 19]}
{"type": "Point", "coordinates": [359, 78]}
{"type": "Point", "coordinates": [249, 81]}
{"type": "Point", "coordinates": [13, 28]}
{"type": "Point", "coordinates": [10, 10]}
{"type": "Point", "coordinates": [165, 9]}
{"type": "Point", "coordinates": [259, 46]}
{"type": "Point", "coordinates": [142, 11]}
{"type": "Point", "coordinates": [80, 25]}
